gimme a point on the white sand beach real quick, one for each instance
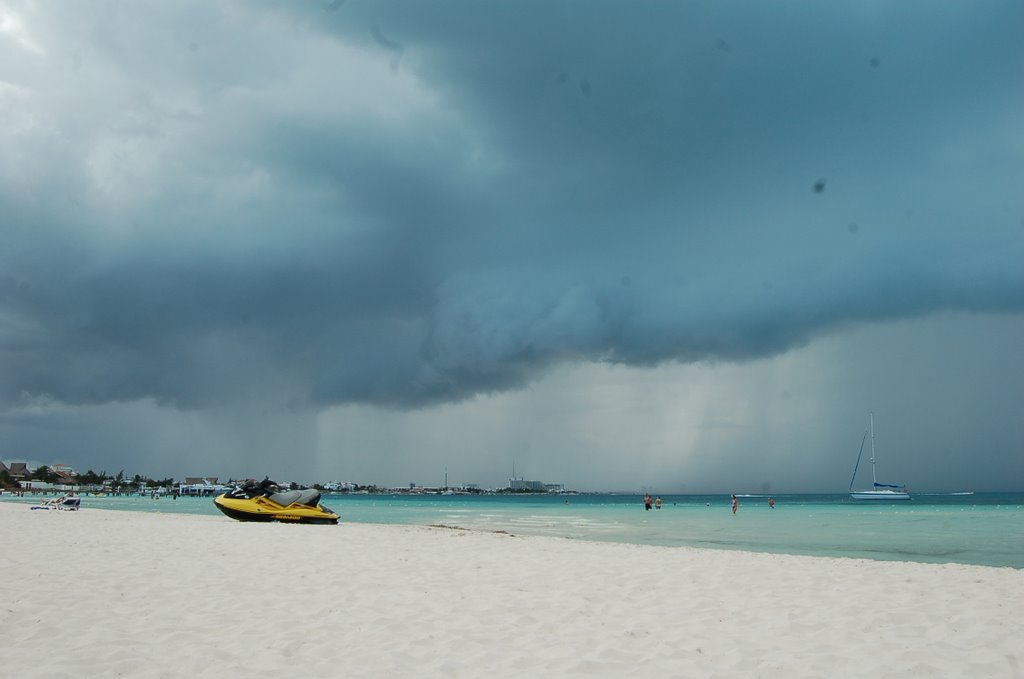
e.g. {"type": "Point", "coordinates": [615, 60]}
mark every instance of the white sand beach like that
{"type": "Point", "coordinates": [118, 594]}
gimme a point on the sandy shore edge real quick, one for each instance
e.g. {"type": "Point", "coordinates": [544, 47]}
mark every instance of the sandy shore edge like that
{"type": "Point", "coordinates": [113, 593]}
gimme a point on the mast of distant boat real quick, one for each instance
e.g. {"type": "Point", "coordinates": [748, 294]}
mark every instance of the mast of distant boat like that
{"type": "Point", "coordinates": [874, 480]}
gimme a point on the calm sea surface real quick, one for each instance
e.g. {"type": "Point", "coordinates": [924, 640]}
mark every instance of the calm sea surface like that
{"type": "Point", "coordinates": [983, 528]}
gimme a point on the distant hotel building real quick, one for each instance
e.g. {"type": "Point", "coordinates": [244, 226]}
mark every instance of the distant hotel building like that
{"type": "Point", "coordinates": [535, 486]}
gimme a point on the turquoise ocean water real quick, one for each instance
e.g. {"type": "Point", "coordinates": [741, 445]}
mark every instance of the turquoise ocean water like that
{"type": "Point", "coordinates": [983, 528]}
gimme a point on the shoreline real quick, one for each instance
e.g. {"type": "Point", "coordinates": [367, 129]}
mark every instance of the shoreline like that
{"type": "Point", "coordinates": [157, 595]}
{"type": "Point", "coordinates": [981, 533]}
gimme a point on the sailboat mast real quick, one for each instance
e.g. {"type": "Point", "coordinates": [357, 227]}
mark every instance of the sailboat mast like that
{"type": "Point", "coordinates": [878, 491]}
{"type": "Point", "coordinates": [874, 481]}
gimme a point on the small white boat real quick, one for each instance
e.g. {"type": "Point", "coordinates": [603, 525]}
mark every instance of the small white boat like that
{"type": "Point", "coordinates": [881, 494]}
{"type": "Point", "coordinates": [878, 491]}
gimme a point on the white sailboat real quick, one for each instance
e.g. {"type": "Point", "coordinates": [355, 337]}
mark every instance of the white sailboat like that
{"type": "Point", "coordinates": [878, 491]}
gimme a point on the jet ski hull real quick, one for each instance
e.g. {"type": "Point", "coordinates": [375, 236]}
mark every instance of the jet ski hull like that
{"type": "Point", "coordinates": [264, 509]}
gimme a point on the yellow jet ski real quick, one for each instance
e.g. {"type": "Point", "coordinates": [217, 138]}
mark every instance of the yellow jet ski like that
{"type": "Point", "coordinates": [267, 501]}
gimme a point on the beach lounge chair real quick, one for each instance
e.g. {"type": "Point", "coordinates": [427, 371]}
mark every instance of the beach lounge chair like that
{"type": "Point", "coordinates": [61, 503]}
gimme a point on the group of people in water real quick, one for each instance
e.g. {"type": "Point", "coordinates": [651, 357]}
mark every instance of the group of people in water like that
{"type": "Point", "coordinates": [647, 503]}
{"type": "Point", "coordinates": [736, 503]}
{"type": "Point", "coordinates": [656, 503]}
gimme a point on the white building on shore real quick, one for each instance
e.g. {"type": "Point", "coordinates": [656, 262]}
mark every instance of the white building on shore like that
{"type": "Point", "coordinates": [202, 485]}
{"type": "Point", "coordinates": [535, 486]}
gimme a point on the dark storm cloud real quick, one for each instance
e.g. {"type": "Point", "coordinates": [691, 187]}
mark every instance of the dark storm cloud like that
{"type": "Point", "coordinates": [234, 201]}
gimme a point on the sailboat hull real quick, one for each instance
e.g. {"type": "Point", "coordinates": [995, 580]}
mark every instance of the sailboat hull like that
{"type": "Point", "coordinates": [880, 495]}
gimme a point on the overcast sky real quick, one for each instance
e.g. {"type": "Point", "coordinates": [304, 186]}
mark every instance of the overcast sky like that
{"type": "Point", "coordinates": [668, 245]}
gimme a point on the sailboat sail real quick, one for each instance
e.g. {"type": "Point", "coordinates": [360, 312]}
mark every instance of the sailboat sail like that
{"type": "Point", "coordinates": [859, 453]}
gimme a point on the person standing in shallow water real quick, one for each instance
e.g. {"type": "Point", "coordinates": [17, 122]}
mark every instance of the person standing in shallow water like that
{"type": "Point", "coordinates": [735, 503]}
{"type": "Point", "coordinates": [771, 503]}
{"type": "Point", "coordinates": [647, 503]}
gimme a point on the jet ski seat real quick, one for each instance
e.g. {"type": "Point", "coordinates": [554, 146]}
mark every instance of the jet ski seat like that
{"type": "Point", "coordinates": [305, 496]}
